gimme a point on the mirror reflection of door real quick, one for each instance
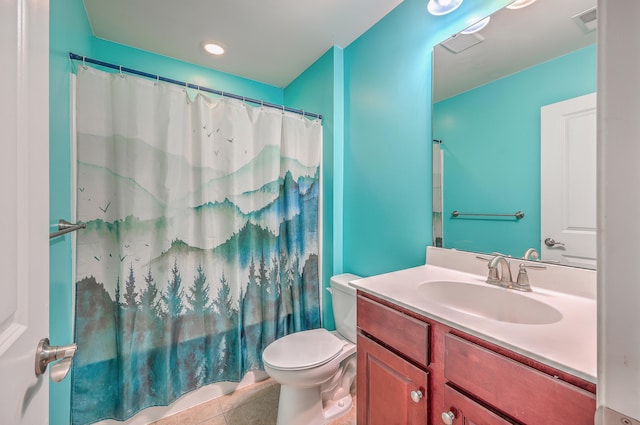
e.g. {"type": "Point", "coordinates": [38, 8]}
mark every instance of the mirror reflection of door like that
{"type": "Point", "coordinates": [568, 181]}
{"type": "Point", "coordinates": [487, 99]}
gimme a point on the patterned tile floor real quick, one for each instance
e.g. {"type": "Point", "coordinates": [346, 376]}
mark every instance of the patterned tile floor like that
{"type": "Point", "coordinates": [253, 405]}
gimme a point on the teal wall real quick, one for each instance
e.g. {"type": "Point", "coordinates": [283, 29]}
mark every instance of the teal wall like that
{"type": "Point", "coordinates": [375, 96]}
{"type": "Point", "coordinates": [491, 145]}
{"type": "Point", "coordinates": [69, 30]}
{"type": "Point", "coordinates": [320, 88]}
{"type": "Point", "coordinates": [387, 173]}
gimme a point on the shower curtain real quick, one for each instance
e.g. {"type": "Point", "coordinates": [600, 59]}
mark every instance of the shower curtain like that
{"type": "Point", "coordinates": [201, 245]}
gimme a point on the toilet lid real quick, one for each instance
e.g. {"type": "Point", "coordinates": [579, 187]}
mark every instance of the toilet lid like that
{"type": "Point", "coordinates": [302, 350]}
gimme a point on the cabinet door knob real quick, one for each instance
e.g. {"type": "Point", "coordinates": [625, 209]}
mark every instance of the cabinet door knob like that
{"type": "Point", "coordinates": [448, 417]}
{"type": "Point", "coordinates": [416, 396]}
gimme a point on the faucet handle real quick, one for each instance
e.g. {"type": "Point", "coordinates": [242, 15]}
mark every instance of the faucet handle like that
{"type": "Point", "coordinates": [492, 255]}
{"type": "Point", "coordinates": [532, 266]}
{"type": "Point", "coordinates": [522, 282]}
{"type": "Point", "coordinates": [493, 277]}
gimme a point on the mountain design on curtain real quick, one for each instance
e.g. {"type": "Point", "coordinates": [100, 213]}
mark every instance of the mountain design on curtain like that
{"type": "Point", "coordinates": [201, 245]}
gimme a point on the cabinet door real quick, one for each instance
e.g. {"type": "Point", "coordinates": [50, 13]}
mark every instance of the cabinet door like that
{"type": "Point", "coordinates": [466, 411]}
{"type": "Point", "coordinates": [385, 386]}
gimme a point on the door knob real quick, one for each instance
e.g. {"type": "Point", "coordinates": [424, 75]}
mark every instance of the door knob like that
{"type": "Point", "coordinates": [550, 242]}
{"type": "Point", "coordinates": [448, 417]}
{"type": "Point", "coordinates": [46, 354]}
{"type": "Point", "coordinates": [416, 396]}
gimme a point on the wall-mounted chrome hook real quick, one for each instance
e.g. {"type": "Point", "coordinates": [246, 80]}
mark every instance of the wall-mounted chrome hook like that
{"type": "Point", "coordinates": [46, 354]}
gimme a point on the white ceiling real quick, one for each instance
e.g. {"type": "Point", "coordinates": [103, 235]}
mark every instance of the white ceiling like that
{"type": "Point", "coordinates": [273, 42]}
{"type": "Point", "coordinates": [514, 40]}
{"type": "Point", "coordinates": [266, 41]}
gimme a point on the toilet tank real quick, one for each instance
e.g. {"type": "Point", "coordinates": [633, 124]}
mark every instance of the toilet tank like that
{"type": "Point", "coordinates": [344, 305]}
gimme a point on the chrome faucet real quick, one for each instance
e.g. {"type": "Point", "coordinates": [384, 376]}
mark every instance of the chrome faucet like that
{"type": "Point", "coordinates": [500, 273]}
{"type": "Point", "coordinates": [503, 278]}
{"type": "Point", "coordinates": [531, 254]}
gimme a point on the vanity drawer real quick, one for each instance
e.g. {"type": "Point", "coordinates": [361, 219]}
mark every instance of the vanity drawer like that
{"type": "Point", "coordinates": [467, 411]}
{"type": "Point", "coordinates": [524, 393]}
{"type": "Point", "coordinates": [405, 334]}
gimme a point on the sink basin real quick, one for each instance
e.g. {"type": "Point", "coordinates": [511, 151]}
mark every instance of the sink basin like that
{"type": "Point", "coordinates": [489, 302]}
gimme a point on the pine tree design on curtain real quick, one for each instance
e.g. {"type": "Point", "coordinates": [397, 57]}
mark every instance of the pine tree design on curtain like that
{"type": "Point", "coordinates": [201, 244]}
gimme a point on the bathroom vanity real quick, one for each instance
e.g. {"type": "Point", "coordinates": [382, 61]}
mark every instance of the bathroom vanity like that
{"type": "Point", "coordinates": [425, 358]}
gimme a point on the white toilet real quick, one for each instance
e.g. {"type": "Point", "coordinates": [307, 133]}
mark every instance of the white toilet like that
{"type": "Point", "coordinates": [315, 369]}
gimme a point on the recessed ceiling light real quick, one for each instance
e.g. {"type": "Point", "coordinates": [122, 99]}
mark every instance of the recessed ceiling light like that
{"type": "Point", "coordinates": [442, 7]}
{"type": "Point", "coordinates": [519, 4]}
{"type": "Point", "coordinates": [213, 48]}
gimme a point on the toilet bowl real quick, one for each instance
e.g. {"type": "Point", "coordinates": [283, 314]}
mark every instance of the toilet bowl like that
{"type": "Point", "coordinates": [315, 368]}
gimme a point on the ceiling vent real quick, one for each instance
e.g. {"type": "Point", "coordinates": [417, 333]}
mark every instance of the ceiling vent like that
{"type": "Point", "coordinates": [587, 20]}
{"type": "Point", "coordinates": [459, 42]}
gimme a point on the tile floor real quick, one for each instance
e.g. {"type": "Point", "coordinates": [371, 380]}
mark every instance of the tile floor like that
{"type": "Point", "coordinates": [253, 405]}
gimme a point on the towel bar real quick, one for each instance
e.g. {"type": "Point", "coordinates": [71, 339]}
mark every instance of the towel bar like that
{"type": "Point", "coordinates": [517, 214]}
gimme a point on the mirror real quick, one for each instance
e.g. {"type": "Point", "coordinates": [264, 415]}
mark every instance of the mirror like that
{"type": "Point", "coordinates": [489, 88]}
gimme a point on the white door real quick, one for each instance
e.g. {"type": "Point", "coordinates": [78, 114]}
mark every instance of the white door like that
{"type": "Point", "coordinates": [24, 208]}
{"type": "Point", "coordinates": [568, 181]}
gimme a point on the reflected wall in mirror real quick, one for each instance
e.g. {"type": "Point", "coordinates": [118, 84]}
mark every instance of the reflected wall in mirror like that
{"type": "Point", "coordinates": [487, 116]}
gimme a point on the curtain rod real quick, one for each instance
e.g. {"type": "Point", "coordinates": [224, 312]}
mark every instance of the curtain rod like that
{"type": "Point", "coordinates": [85, 59]}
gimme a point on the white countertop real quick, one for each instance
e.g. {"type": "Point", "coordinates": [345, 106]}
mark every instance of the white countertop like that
{"type": "Point", "coordinates": [568, 344]}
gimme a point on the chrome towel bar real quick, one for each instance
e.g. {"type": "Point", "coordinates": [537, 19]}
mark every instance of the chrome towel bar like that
{"type": "Point", "coordinates": [66, 227]}
{"type": "Point", "coordinates": [517, 214]}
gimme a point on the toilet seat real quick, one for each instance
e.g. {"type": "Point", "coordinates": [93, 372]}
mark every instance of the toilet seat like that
{"type": "Point", "coordinates": [303, 350]}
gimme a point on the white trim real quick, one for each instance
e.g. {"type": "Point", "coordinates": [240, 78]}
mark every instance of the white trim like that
{"type": "Point", "coordinates": [320, 229]}
{"type": "Point", "coordinates": [74, 190]}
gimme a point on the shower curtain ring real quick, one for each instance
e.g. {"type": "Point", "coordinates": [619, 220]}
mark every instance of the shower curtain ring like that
{"type": "Point", "coordinates": [121, 74]}
{"type": "Point", "coordinates": [157, 80]}
{"type": "Point", "coordinates": [84, 64]}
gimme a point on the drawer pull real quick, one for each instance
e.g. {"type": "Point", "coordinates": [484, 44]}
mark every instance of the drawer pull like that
{"type": "Point", "coordinates": [448, 417]}
{"type": "Point", "coordinates": [416, 396]}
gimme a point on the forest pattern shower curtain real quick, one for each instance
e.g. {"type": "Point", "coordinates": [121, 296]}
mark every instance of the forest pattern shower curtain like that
{"type": "Point", "coordinates": [201, 244]}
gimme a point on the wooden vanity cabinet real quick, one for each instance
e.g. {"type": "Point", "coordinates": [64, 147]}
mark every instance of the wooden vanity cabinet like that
{"type": "Point", "coordinates": [516, 390]}
{"type": "Point", "coordinates": [391, 390]}
{"type": "Point", "coordinates": [393, 354]}
{"type": "Point", "coordinates": [462, 379]}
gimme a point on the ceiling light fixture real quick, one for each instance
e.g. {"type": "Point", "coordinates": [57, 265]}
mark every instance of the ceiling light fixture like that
{"type": "Point", "coordinates": [213, 48]}
{"type": "Point", "coordinates": [442, 7]}
{"type": "Point", "coordinates": [519, 4]}
{"type": "Point", "coordinates": [477, 26]}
